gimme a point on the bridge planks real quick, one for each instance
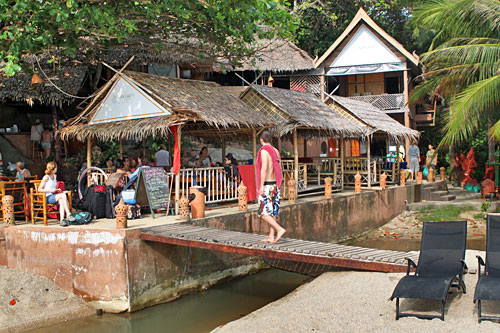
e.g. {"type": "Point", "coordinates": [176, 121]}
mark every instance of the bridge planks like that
{"type": "Point", "coordinates": [286, 249]}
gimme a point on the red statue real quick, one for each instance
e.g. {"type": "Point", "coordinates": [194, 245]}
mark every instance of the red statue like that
{"type": "Point", "coordinates": [489, 171]}
{"type": "Point", "coordinates": [468, 166]}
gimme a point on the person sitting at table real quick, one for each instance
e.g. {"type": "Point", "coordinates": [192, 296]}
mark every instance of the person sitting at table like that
{"type": "Point", "coordinates": [205, 159]}
{"type": "Point", "coordinates": [231, 167]}
{"type": "Point", "coordinates": [146, 163]}
{"type": "Point", "coordinates": [119, 167]}
{"type": "Point", "coordinates": [126, 163]}
{"type": "Point", "coordinates": [48, 185]}
{"type": "Point", "coordinates": [22, 172]}
{"type": "Point", "coordinates": [198, 163]}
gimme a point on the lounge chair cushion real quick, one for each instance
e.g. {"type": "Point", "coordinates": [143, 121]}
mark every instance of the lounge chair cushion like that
{"type": "Point", "coordinates": [412, 286]}
{"type": "Point", "coordinates": [488, 288]}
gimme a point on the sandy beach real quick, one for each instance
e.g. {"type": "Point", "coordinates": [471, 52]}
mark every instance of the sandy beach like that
{"type": "Point", "coordinates": [349, 301]}
{"type": "Point", "coordinates": [30, 301]}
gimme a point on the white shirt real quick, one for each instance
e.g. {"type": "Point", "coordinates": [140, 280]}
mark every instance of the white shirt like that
{"type": "Point", "coordinates": [36, 132]}
{"type": "Point", "coordinates": [162, 158]}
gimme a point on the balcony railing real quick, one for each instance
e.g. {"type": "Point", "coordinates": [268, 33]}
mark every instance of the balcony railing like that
{"type": "Point", "coordinates": [383, 102]}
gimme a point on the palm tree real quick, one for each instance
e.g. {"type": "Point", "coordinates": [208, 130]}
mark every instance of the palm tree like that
{"type": "Point", "coordinates": [462, 64]}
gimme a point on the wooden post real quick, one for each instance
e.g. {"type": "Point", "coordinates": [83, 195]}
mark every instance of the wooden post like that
{"type": "Point", "coordinates": [254, 146]}
{"type": "Point", "coordinates": [323, 86]}
{"type": "Point", "coordinates": [295, 158]}
{"type": "Point", "coordinates": [57, 142]}
{"type": "Point", "coordinates": [342, 148]}
{"type": "Point", "coordinates": [406, 114]}
{"type": "Point", "coordinates": [178, 176]}
{"type": "Point", "coordinates": [223, 151]}
{"type": "Point", "coordinates": [279, 144]}
{"type": "Point", "coordinates": [89, 156]}
{"type": "Point", "coordinates": [368, 155]}
{"type": "Point", "coordinates": [121, 149]}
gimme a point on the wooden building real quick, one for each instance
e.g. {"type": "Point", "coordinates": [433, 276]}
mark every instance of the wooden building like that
{"type": "Point", "coordinates": [367, 64]}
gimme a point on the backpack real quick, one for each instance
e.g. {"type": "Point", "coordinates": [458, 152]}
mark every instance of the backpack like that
{"type": "Point", "coordinates": [99, 204]}
{"type": "Point", "coordinates": [81, 218]}
{"type": "Point", "coordinates": [134, 212]}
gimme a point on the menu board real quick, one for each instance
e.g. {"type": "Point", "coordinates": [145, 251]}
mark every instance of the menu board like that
{"type": "Point", "coordinates": [152, 188]}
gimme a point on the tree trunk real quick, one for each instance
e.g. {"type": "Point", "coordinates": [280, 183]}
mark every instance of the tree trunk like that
{"type": "Point", "coordinates": [491, 143]}
{"type": "Point", "coordinates": [57, 142]}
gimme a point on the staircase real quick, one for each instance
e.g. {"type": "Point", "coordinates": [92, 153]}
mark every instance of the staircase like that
{"type": "Point", "coordinates": [436, 191]}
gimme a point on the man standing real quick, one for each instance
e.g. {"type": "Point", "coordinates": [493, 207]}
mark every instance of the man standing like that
{"type": "Point", "coordinates": [46, 142]}
{"type": "Point", "coordinates": [162, 157]}
{"type": "Point", "coordinates": [414, 157]}
{"type": "Point", "coordinates": [269, 180]}
{"type": "Point", "coordinates": [431, 158]}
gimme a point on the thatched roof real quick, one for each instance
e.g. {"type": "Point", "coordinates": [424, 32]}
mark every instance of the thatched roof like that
{"type": "Point", "coordinates": [375, 118]}
{"type": "Point", "coordinates": [276, 55]}
{"type": "Point", "coordinates": [289, 109]}
{"type": "Point", "coordinates": [67, 74]}
{"type": "Point", "coordinates": [187, 100]}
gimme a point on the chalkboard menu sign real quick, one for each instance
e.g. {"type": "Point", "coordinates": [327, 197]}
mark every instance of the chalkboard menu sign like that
{"type": "Point", "coordinates": [152, 189]}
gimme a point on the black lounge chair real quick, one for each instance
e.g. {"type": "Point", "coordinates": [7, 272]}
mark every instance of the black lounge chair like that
{"type": "Point", "coordinates": [440, 266]}
{"type": "Point", "coordinates": [488, 283]}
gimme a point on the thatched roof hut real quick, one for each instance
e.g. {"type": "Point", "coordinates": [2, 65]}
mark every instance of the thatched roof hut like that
{"type": "Point", "coordinates": [67, 74]}
{"type": "Point", "coordinates": [190, 102]}
{"type": "Point", "coordinates": [276, 55]}
{"type": "Point", "coordinates": [367, 114]}
{"type": "Point", "coordinates": [288, 110]}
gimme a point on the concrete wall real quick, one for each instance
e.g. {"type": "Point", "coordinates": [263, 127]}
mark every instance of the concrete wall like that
{"type": "Point", "coordinates": [115, 270]}
{"type": "Point", "coordinates": [344, 216]}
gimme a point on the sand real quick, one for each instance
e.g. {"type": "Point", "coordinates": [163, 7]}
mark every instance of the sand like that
{"type": "Point", "coordinates": [38, 302]}
{"type": "Point", "coordinates": [350, 301]}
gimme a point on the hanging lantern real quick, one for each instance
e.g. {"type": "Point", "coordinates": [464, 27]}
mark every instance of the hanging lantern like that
{"type": "Point", "coordinates": [36, 79]}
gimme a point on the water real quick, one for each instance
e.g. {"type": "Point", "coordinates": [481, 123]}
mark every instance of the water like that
{"type": "Point", "coordinates": [200, 312]}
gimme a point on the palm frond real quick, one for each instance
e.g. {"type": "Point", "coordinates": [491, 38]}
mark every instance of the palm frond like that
{"type": "Point", "coordinates": [467, 109]}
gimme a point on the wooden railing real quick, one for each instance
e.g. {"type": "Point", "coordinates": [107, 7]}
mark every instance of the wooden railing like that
{"type": "Point", "coordinates": [329, 167]}
{"type": "Point", "coordinates": [220, 186]}
{"type": "Point", "coordinates": [391, 169]}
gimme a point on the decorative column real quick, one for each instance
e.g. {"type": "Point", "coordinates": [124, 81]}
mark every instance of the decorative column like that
{"type": "Point", "coordinates": [242, 197]}
{"type": "Point", "coordinates": [443, 174]}
{"type": "Point", "coordinates": [402, 177]}
{"type": "Point", "coordinates": [178, 175]}
{"type": "Point", "coordinates": [121, 215]}
{"type": "Point", "coordinates": [383, 180]}
{"type": "Point", "coordinates": [328, 187]}
{"type": "Point", "coordinates": [8, 210]}
{"type": "Point", "coordinates": [292, 190]}
{"type": "Point", "coordinates": [430, 175]}
{"type": "Point", "coordinates": [418, 177]}
{"type": "Point", "coordinates": [369, 157]}
{"type": "Point", "coordinates": [357, 183]}
{"type": "Point", "coordinates": [184, 208]}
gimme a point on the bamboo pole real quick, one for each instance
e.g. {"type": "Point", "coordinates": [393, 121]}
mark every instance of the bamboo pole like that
{"type": "Point", "coordinates": [178, 176]}
{"type": "Point", "coordinates": [295, 159]}
{"type": "Point", "coordinates": [89, 156]}
{"type": "Point", "coordinates": [368, 155]}
{"type": "Point", "coordinates": [89, 159]}
{"type": "Point", "coordinates": [121, 149]}
{"type": "Point", "coordinates": [406, 114]}
{"type": "Point", "coordinates": [342, 154]}
{"type": "Point", "coordinates": [223, 151]}
{"type": "Point", "coordinates": [254, 143]}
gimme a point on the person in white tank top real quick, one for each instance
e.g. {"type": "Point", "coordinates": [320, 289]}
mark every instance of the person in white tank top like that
{"type": "Point", "coordinates": [48, 185]}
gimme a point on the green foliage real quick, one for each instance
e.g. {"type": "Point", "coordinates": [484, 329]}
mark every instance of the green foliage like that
{"type": "Point", "coordinates": [110, 150]}
{"type": "Point", "coordinates": [462, 64]}
{"type": "Point", "coordinates": [218, 27]}
{"type": "Point", "coordinates": [321, 22]}
{"type": "Point", "coordinates": [485, 205]}
{"type": "Point", "coordinates": [447, 213]}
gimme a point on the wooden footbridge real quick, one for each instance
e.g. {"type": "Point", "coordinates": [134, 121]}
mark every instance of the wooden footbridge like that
{"type": "Point", "coordinates": [301, 251]}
